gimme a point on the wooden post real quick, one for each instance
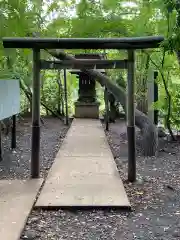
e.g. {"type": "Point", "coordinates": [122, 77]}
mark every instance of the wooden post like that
{"type": "Point", "coordinates": [13, 136]}
{"type": "Point", "coordinates": [106, 109]}
{"type": "Point", "coordinates": [131, 117]}
{"type": "Point", "coordinates": [152, 95]}
{"type": "Point", "coordinates": [1, 151]}
{"type": "Point", "coordinates": [65, 96]}
{"type": "Point", "coordinates": [59, 92]}
{"type": "Point", "coordinates": [35, 149]}
{"type": "Point", "coordinates": [156, 97]}
{"type": "Point", "coordinates": [150, 88]}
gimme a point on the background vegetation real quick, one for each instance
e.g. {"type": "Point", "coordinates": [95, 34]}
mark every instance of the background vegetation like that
{"type": "Point", "coordinates": [95, 18]}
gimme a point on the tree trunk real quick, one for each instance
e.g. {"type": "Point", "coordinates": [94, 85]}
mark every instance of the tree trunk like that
{"type": "Point", "coordinates": [60, 95]}
{"type": "Point", "coordinates": [29, 96]}
{"type": "Point", "coordinates": [148, 129]}
{"type": "Point", "coordinates": [113, 110]}
{"type": "Point", "coordinates": [142, 104]}
{"type": "Point", "coordinates": [6, 125]}
{"type": "Point", "coordinates": [178, 56]}
{"type": "Point", "coordinates": [43, 96]}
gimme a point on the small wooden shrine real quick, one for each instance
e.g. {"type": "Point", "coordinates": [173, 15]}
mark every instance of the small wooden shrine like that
{"type": "Point", "coordinates": [87, 105]}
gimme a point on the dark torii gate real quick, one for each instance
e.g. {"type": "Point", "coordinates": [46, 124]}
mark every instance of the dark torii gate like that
{"type": "Point", "coordinates": [130, 44]}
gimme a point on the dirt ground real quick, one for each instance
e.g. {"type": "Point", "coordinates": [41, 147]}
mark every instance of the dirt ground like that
{"type": "Point", "coordinates": [155, 197]}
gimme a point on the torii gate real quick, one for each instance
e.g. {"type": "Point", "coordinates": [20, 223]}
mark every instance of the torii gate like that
{"type": "Point", "coordinates": [130, 44]}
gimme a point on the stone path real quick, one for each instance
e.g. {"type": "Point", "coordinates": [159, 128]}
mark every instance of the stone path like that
{"type": "Point", "coordinates": [16, 201]}
{"type": "Point", "coordinates": [84, 173]}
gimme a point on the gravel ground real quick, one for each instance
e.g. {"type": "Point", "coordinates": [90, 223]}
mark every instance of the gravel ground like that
{"type": "Point", "coordinates": [155, 197]}
{"type": "Point", "coordinates": [16, 163]}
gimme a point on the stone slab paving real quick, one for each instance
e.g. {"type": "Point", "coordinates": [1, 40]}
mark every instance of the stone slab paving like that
{"type": "Point", "coordinates": [17, 198]}
{"type": "Point", "coordinates": [84, 173]}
